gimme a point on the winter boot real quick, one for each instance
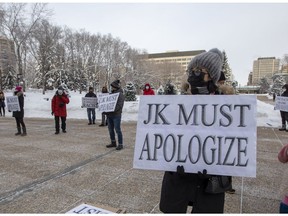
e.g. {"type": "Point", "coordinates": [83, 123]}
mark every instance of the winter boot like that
{"type": "Point", "coordinates": [19, 131]}
{"type": "Point", "coordinates": [119, 147]}
{"type": "Point", "coordinates": [24, 131]}
{"type": "Point", "coordinates": [283, 128]}
{"type": "Point", "coordinates": [113, 144]}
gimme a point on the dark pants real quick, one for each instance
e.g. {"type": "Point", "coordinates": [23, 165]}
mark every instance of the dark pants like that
{"type": "Point", "coordinates": [283, 117]}
{"type": "Point", "coordinates": [104, 119]}
{"type": "Point", "coordinates": [283, 208]}
{"type": "Point", "coordinates": [91, 115]}
{"type": "Point", "coordinates": [114, 123]}
{"type": "Point", "coordinates": [20, 122]}
{"type": "Point", "coordinates": [63, 123]}
{"type": "Point", "coordinates": [2, 108]}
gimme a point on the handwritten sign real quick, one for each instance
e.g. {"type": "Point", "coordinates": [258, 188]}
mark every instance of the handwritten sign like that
{"type": "Point", "coordinates": [88, 209]}
{"type": "Point", "coordinates": [89, 102]}
{"type": "Point", "coordinates": [281, 103]}
{"type": "Point", "coordinates": [212, 132]}
{"type": "Point", "coordinates": [107, 103]}
{"type": "Point", "coordinates": [13, 103]}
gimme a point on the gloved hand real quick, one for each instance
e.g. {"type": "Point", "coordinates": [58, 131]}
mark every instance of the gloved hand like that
{"type": "Point", "coordinates": [180, 170]}
{"type": "Point", "coordinates": [203, 175]}
{"type": "Point", "coordinates": [52, 113]}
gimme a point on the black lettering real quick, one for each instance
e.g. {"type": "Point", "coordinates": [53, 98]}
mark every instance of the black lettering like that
{"type": "Point", "coordinates": [229, 151]}
{"type": "Point", "coordinates": [182, 113]}
{"type": "Point", "coordinates": [226, 115]}
{"type": "Point", "coordinates": [219, 150]}
{"type": "Point", "coordinates": [157, 146]}
{"type": "Point", "coordinates": [146, 143]}
{"type": "Point", "coordinates": [165, 148]}
{"type": "Point", "coordinates": [204, 115]}
{"type": "Point", "coordinates": [79, 212]}
{"type": "Point", "coordinates": [159, 114]}
{"type": "Point", "coordinates": [149, 114]}
{"type": "Point", "coordinates": [179, 150]}
{"type": "Point", "coordinates": [212, 150]}
{"type": "Point", "coordinates": [242, 151]}
{"type": "Point", "coordinates": [190, 149]}
{"type": "Point", "coordinates": [242, 113]}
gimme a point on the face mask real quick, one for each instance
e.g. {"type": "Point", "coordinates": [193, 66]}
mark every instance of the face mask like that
{"type": "Point", "coordinates": [60, 92]}
{"type": "Point", "coordinates": [147, 87]}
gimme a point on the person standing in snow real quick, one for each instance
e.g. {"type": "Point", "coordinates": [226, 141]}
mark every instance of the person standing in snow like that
{"type": "Point", "coordinates": [284, 115]}
{"type": "Point", "coordinates": [58, 106]}
{"type": "Point", "coordinates": [19, 115]}
{"type": "Point", "coordinates": [148, 90]}
{"type": "Point", "coordinates": [2, 103]}
{"type": "Point", "coordinates": [103, 116]}
{"type": "Point", "coordinates": [91, 111]}
{"type": "Point", "coordinates": [180, 189]}
{"type": "Point", "coordinates": [114, 118]}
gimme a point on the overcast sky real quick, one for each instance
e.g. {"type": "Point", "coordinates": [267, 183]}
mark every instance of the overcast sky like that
{"type": "Point", "coordinates": [245, 31]}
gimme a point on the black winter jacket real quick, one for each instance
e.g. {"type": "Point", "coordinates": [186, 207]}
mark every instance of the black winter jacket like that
{"type": "Point", "coordinates": [19, 114]}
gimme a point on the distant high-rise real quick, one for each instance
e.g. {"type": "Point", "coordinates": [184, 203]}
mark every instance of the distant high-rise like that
{"type": "Point", "coordinates": [264, 67]}
{"type": "Point", "coordinates": [7, 54]}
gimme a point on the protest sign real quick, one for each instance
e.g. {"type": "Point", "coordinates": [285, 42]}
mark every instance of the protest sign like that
{"type": "Point", "coordinates": [13, 103]}
{"type": "Point", "coordinates": [212, 132]}
{"type": "Point", "coordinates": [281, 103]}
{"type": "Point", "coordinates": [107, 103]}
{"type": "Point", "coordinates": [89, 102]}
{"type": "Point", "coordinates": [88, 209]}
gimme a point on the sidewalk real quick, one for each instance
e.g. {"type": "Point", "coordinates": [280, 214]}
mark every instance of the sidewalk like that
{"type": "Point", "coordinates": [48, 173]}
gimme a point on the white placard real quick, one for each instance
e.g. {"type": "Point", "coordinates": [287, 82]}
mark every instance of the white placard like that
{"type": "Point", "coordinates": [107, 103]}
{"type": "Point", "coordinates": [88, 209]}
{"type": "Point", "coordinates": [13, 103]}
{"type": "Point", "coordinates": [281, 103]}
{"type": "Point", "coordinates": [212, 132]}
{"type": "Point", "coordinates": [89, 102]}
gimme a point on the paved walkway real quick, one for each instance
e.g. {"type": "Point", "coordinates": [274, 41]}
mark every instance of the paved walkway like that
{"type": "Point", "coordinates": [47, 173]}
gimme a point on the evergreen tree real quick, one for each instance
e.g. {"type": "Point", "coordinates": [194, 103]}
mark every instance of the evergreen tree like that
{"type": "Point", "coordinates": [278, 82]}
{"type": "Point", "coordinates": [264, 85]}
{"type": "Point", "coordinates": [160, 90]}
{"type": "Point", "coordinates": [226, 69]}
{"type": "Point", "coordinates": [130, 92]}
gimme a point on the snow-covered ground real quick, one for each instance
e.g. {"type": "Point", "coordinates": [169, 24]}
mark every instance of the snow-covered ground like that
{"type": "Point", "coordinates": [39, 105]}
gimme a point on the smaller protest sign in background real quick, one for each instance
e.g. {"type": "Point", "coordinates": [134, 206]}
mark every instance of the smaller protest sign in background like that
{"type": "Point", "coordinates": [12, 103]}
{"type": "Point", "coordinates": [89, 102]}
{"type": "Point", "coordinates": [281, 103]}
{"type": "Point", "coordinates": [107, 102]}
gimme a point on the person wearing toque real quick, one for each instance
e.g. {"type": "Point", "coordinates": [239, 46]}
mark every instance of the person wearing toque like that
{"type": "Point", "coordinates": [179, 189]}
{"type": "Point", "coordinates": [19, 115]}
{"type": "Point", "coordinates": [114, 118]}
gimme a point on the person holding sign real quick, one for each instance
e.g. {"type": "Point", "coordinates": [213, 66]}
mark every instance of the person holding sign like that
{"type": "Point", "coordinates": [58, 106]}
{"type": "Point", "coordinates": [91, 111]}
{"type": "Point", "coordinates": [114, 118]}
{"type": "Point", "coordinates": [19, 115]}
{"type": "Point", "coordinates": [103, 116]}
{"type": "Point", "coordinates": [2, 103]}
{"type": "Point", "coordinates": [284, 115]}
{"type": "Point", "coordinates": [180, 189]}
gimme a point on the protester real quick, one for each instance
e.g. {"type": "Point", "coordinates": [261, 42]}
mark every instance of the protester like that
{"type": "Point", "coordinates": [180, 189]}
{"type": "Point", "coordinates": [2, 103]}
{"type": "Point", "coordinates": [19, 115]}
{"type": "Point", "coordinates": [283, 158]}
{"type": "Point", "coordinates": [58, 106]}
{"type": "Point", "coordinates": [148, 90]}
{"type": "Point", "coordinates": [114, 118]}
{"type": "Point", "coordinates": [284, 115]}
{"type": "Point", "coordinates": [103, 116]}
{"type": "Point", "coordinates": [91, 111]}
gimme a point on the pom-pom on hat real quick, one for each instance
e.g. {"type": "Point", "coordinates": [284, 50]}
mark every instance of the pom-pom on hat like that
{"type": "Point", "coordinates": [116, 84]}
{"type": "Point", "coordinates": [211, 60]}
{"type": "Point", "coordinates": [283, 154]}
{"type": "Point", "coordinates": [18, 88]}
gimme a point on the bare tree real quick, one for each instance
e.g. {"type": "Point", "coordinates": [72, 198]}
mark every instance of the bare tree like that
{"type": "Point", "coordinates": [17, 24]}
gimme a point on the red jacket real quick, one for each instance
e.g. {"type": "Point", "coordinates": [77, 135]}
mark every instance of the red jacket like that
{"type": "Point", "coordinates": [58, 105]}
{"type": "Point", "coordinates": [148, 91]}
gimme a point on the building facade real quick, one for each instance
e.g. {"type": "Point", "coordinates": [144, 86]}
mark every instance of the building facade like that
{"type": "Point", "coordinates": [264, 67]}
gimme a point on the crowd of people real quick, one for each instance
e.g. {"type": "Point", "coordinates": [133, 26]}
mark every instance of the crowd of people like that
{"type": "Point", "coordinates": [179, 189]}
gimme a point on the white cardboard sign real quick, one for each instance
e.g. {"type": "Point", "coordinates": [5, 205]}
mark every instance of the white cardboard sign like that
{"type": "Point", "coordinates": [88, 209]}
{"type": "Point", "coordinates": [13, 103]}
{"type": "Point", "coordinates": [281, 103]}
{"type": "Point", "coordinates": [89, 102]}
{"type": "Point", "coordinates": [107, 102]}
{"type": "Point", "coordinates": [212, 132]}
